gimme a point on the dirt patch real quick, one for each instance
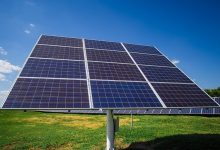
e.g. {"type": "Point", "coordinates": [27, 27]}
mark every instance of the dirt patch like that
{"type": "Point", "coordinates": [120, 143]}
{"type": "Point", "coordinates": [92, 122]}
{"type": "Point", "coordinates": [127, 121]}
{"type": "Point", "coordinates": [70, 121]}
{"type": "Point", "coordinates": [67, 146]}
{"type": "Point", "coordinates": [9, 146]}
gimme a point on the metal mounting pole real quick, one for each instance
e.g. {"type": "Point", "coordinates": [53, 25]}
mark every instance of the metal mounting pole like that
{"type": "Point", "coordinates": [110, 131]}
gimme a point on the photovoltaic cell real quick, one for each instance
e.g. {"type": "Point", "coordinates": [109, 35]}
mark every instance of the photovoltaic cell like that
{"type": "Point", "coordinates": [182, 95]}
{"type": "Point", "coordinates": [164, 74]}
{"type": "Point", "coordinates": [63, 41]}
{"type": "Point", "coordinates": [156, 60]}
{"type": "Point", "coordinates": [217, 99]}
{"type": "Point", "coordinates": [141, 49]}
{"type": "Point", "coordinates": [45, 51]}
{"type": "Point", "coordinates": [104, 45]}
{"type": "Point", "coordinates": [196, 110]}
{"type": "Point", "coordinates": [54, 68]}
{"type": "Point", "coordinates": [110, 94]}
{"type": "Point", "coordinates": [48, 93]}
{"type": "Point", "coordinates": [108, 56]}
{"type": "Point", "coordinates": [112, 71]}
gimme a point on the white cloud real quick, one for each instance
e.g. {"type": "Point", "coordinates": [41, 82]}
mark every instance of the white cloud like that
{"type": "Point", "coordinates": [2, 77]}
{"type": "Point", "coordinates": [7, 67]}
{"type": "Point", "coordinates": [175, 61]}
{"type": "Point", "coordinates": [27, 31]}
{"type": "Point", "coordinates": [32, 25]}
{"type": "Point", "coordinates": [3, 51]}
{"type": "Point", "coordinates": [3, 95]}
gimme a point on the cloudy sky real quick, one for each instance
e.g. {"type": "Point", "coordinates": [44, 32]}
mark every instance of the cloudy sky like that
{"type": "Point", "coordinates": [186, 32]}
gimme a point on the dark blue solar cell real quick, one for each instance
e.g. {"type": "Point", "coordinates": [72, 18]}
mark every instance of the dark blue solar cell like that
{"type": "Point", "coordinates": [48, 93]}
{"type": "Point", "coordinates": [112, 71]}
{"type": "Point", "coordinates": [207, 111]}
{"type": "Point", "coordinates": [104, 45]}
{"type": "Point", "coordinates": [217, 99]}
{"type": "Point", "coordinates": [182, 95]}
{"type": "Point", "coordinates": [108, 56]}
{"type": "Point", "coordinates": [185, 111]}
{"type": "Point", "coordinates": [63, 41]}
{"type": "Point", "coordinates": [217, 110]}
{"type": "Point", "coordinates": [141, 49]}
{"type": "Point", "coordinates": [110, 94]}
{"type": "Point", "coordinates": [45, 51]}
{"type": "Point", "coordinates": [164, 74]}
{"type": "Point", "coordinates": [156, 60]}
{"type": "Point", "coordinates": [196, 111]}
{"type": "Point", "coordinates": [54, 68]}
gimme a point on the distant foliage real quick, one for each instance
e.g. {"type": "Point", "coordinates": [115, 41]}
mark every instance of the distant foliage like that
{"type": "Point", "coordinates": [213, 92]}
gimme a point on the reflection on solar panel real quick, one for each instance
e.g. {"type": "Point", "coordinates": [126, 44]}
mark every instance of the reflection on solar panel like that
{"type": "Point", "coordinates": [48, 93]}
{"type": "Point", "coordinates": [164, 74]}
{"type": "Point", "coordinates": [111, 71]}
{"type": "Point", "coordinates": [146, 59]}
{"type": "Point", "coordinates": [54, 68]}
{"type": "Point", "coordinates": [75, 73]}
{"type": "Point", "coordinates": [142, 49]}
{"type": "Point", "coordinates": [63, 41]}
{"type": "Point", "coordinates": [180, 95]}
{"type": "Point", "coordinates": [103, 45]}
{"type": "Point", "coordinates": [109, 94]}
{"type": "Point", "coordinates": [46, 51]}
{"type": "Point", "coordinates": [108, 56]}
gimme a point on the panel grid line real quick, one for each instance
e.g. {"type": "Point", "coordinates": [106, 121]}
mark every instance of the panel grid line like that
{"type": "Point", "coordinates": [152, 88]}
{"type": "Point", "coordinates": [60, 45]}
{"type": "Point", "coordinates": [87, 74]}
{"type": "Point", "coordinates": [188, 77]}
{"type": "Point", "coordinates": [21, 69]}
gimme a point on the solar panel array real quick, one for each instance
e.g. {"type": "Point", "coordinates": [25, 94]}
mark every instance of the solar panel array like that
{"type": "Point", "coordinates": [65, 73]}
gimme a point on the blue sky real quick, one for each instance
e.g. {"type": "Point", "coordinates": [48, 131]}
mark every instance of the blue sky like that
{"type": "Point", "coordinates": [186, 31]}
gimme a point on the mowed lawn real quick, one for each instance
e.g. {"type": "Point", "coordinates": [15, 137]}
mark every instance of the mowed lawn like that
{"type": "Point", "coordinates": [38, 130]}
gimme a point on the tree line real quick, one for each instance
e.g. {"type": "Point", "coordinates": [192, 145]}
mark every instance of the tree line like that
{"type": "Point", "coordinates": [213, 92]}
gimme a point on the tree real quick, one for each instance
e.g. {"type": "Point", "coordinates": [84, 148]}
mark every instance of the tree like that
{"type": "Point", "coordinates": [213, 92]}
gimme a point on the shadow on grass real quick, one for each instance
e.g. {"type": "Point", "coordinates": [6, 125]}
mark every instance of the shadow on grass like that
{"type": "Point", "coordinates": [180, 142]}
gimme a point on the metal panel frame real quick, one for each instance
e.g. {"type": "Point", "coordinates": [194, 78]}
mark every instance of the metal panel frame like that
{"type": "Point", "coordinates": [87, 75]}
{"type": "Point", "coordinates": [152, 88]}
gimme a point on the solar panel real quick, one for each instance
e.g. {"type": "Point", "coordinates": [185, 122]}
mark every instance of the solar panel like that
{"type": "Point", "coordinates": [62, 41]}
{"type": "Point", "coordinates": [46, 51]}
{"type": "Point", "coordinates": [94, 44]}
{"type": "Point", "coordinates": [48, 93]}
{"type": "Point", "coordinates": [112, 71]}
{"type": "Point", "coordinates": [217, 99]}
{"type": "Point", "coordinates": [146, 59]}
{"type": "Point", "coordinates": [111, 94]}
{"type": "Point", "coordinates": [217, 110]}
{"type": "Point", "coordinates": [108, 56]}
{"type": "Point", "coordinates": [75, 73]}
{"type": "Point", "coordinates": [182, 95]}
{"type": "Point", "coordinates": [164, 74]}
{"type": "Point", "coordinates": [196, 110]}
{"type": "Point", "coordinates": [207, 111]}
{"type": "Point", "coordinates": [141, 49]}
{"type": "Point", "coordinates": [54, 68]}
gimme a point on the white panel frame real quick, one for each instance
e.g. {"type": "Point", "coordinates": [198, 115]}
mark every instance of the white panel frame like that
{"type": "Point", "coordinates": [87, 75]}
{"type": "Point", "coordinates": [152, 88]}
{"type": "Point", "coordinates": [191, 80]}
{"type": "Point", "coordinates": [18, 75]}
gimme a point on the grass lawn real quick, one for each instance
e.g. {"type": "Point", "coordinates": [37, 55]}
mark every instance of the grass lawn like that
{"type": "Point", "coordinates": [37, 130]}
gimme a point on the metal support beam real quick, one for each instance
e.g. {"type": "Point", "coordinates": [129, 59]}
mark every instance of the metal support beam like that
{"type": "Point", "coordinates": [110, 133]}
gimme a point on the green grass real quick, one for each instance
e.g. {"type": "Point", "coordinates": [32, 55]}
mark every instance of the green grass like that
{"type": "Point", "coordinates": [36, 130]}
